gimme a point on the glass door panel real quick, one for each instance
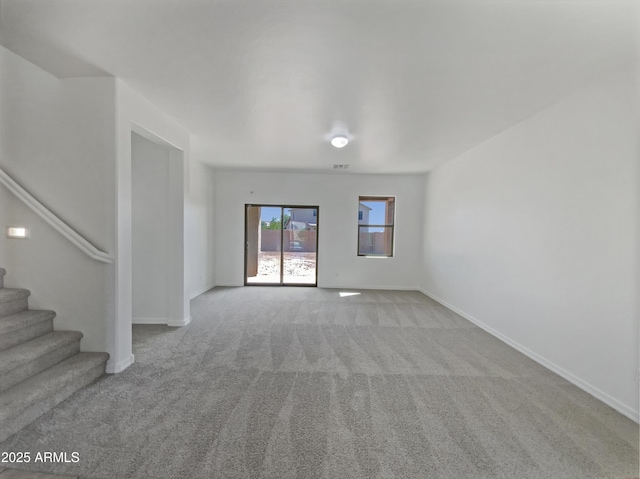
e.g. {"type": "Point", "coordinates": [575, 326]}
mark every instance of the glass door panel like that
{"type": "Point", "coordinates": [263, 244]}
{"type": "Point", "coordinates": [300, 245]}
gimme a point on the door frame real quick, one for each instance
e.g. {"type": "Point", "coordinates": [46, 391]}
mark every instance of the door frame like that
{"type": "Point", "coordinates": [246, 243]}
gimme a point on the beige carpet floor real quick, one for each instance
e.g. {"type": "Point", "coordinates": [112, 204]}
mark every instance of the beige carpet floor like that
{"type": "Point", "coordinates": [307, 383]}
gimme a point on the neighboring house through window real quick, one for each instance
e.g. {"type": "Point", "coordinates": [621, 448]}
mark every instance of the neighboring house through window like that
{"type": "Point", "coordinates": [376, 220]}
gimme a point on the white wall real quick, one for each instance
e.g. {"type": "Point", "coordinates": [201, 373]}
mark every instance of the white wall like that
{"type": "Point", "coordinates": [68, 142]}
{"type": "Point", "coordinates": [534, 234]}
{"type": "Point", "coordinates": [201, 227]}
{"type": "Point", "coordinates": [135, 113]}
{"type": "Point", "coordinates": [57, 141]}
{"type": "Point", "coordinates": [337, 197]}
{"type": "Point", "coordinates": [151, 231]}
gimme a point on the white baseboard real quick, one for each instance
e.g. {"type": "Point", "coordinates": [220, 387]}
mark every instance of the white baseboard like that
{"type": "Point", "coordinates": [113, 367]}
{"type": "Point", "coordinates": [385, 288]}
{"type": "Point", "coordinates": [149, 320]}
{"type": "Point", "coordinates": [178, 323]}
{"type": "Point", "coordinates": [331, 286]}
{"type": "Point", "coordinates": [165, 321]}
{"type": "Point", "coordinates": [585, 386]}
{"type": "Point", "coordinates": [202, 291]}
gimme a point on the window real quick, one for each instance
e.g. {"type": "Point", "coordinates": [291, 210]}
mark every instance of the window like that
{"type": "Point", "coordinates": [375, 225]}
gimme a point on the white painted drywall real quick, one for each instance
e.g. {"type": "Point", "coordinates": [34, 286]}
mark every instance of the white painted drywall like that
{"type": "Point", "coordinates": [57, 141]}
{"type": "Point", "coordinates": [534, 234]}
{"type": "Point", "coordinates": [337, 197]}
{"type": "Point", "coordinates": [68, 142]}
{"type": "Point", "coordinates": [201, 227]}
{"type": "Point", "coordinates": [135, 113]}
{"type": "Point", "coordinates": [151, 230]}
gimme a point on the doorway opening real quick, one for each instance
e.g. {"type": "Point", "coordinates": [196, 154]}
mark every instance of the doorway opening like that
{"type": "Point", "coordinates": [157, 225]}
{"type": "Point", "coordinates": [281, 245]}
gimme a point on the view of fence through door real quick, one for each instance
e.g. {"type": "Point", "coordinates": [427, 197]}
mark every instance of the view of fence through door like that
{"type": "Point", "coordinates": [281, 245]}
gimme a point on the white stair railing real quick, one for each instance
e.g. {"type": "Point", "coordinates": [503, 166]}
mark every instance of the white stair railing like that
{"type": "Point", "coordinates": [57, 224]}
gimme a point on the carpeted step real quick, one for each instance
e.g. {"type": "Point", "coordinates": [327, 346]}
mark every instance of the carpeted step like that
{"type": "Point", "coordinates": [2, 273]}
{"type": "Point", "coordinates": [24, 402]}
{"type": "Point", "coordinates": [13, 300]}
{"type": "Point", "coordinates": [22, 361]}
{"type": "Point", "coordinates": [23, 326]}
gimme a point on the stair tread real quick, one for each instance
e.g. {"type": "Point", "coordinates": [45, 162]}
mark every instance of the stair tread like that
{"type": "Point", "coordinates": [15, 356]}
{"type": "Point", "coordinates": [9, 294]}
{"type": "Point", "coordinates": [24, 319]}
{"type": "Point", "coordinates": [42, 385]}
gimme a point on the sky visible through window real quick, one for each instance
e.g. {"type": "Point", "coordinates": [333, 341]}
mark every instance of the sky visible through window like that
{"type": "Point", "coordinates": [377, 213]}
{"type": "Point", "coordinates": [267, 213]}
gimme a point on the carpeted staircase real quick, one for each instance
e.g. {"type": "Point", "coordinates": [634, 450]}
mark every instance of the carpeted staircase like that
{"type": "Point", "coordinates": [39, 367]}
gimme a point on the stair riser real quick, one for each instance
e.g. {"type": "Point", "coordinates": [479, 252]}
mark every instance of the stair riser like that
{"type": "Point", "coordinates": [13, 306]}
{"type": "Point", "coordinates": [40, 364]}
{"type": "Point", "coordinates": [25, 334]}
{"type": "Point", "coordinates": [14, 423]}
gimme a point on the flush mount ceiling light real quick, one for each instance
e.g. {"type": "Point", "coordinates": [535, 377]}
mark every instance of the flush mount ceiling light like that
{"type": "Point", "coordinates": [339, 141]}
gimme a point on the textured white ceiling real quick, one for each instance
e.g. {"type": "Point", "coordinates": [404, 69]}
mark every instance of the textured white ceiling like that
{"type": "Point", "coordinates": [263, 84]}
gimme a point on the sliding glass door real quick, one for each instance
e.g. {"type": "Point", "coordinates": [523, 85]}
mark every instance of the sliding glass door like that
{"type": "Point", "coordinates": [281, 245]}
{"type": "Point", "coordinates": [300, 245]}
